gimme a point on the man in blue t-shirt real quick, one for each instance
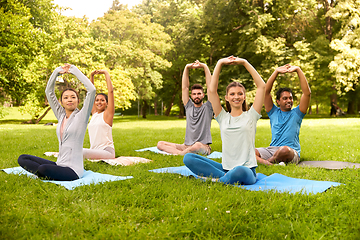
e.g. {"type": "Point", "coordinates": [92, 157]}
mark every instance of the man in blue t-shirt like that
{"type": "Point", "coordinates": [198, 117]}
{"type": "Point", "coordinates": [285, 122]}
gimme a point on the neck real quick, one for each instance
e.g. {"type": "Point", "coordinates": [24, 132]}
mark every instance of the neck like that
{"type": "Point", "coordinates": [68, 113]}
{"type": "Point", "coordinates": [235, 112]}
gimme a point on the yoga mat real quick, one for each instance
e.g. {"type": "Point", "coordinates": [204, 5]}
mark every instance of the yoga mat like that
{"type": "Point", "coordinates": [152, 149]}
{"type": "Point", "coordinates": [122, 161]}
{"type": "Point", "coordinates": [215, 154]}
{"type": "Point", "coordinates": [88, 178]}
{"type": "Point", "coordinates": [333, 165]}
{"type": "Point", "coordinates": [276, 182]}
{"type": "Point", "coordinates": [156, 150]}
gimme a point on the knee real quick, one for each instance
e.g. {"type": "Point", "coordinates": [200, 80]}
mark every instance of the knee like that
{"type": "Point", "coordinates": [284, 150]}
{"type": "Point", "coordinates": [257, 153]}
{"type": "Point", "coordinates": [160, 145]}
{"type": "Point", "coordinates": [188, 159]}
{"type": "Point", "coordinates": [21, 158]}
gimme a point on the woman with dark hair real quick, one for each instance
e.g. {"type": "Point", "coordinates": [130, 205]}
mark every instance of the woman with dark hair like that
{"type": "Point", "coordinates": [100, 126]}
{"type": "Point", "coordinates": [237, 127]}
{"type": "Point", "coordinates": [70, 130]}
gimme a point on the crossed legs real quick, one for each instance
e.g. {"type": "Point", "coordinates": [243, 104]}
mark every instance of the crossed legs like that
{"type": "Point", "coordinates": [182, 149]}
{"type": "Point", "coordinates": [271, 155]}
{"type": "Point", "coordinates": [46, 169]}
{"type": "Point", "coordinates": [203, 166]}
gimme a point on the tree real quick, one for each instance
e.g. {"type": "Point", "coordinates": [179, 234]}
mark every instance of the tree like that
{"type": "Point", "coordinates": [346, 64]}
{"type": "Point", "coordinates": [138, 45]}
{"type": "Point", "coordinates": [181, 20]}
{"type": "Point", "coordinates": [18, 45]}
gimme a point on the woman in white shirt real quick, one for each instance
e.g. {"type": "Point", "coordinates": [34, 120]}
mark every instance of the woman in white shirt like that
{"type": "Point", "coordinates": [100, 126]}
{"type": "Point", "coordinates": [237, 127]}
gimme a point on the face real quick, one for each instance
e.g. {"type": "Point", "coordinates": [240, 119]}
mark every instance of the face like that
{"type": "Point", "coordinates": [197, 96]}
{"type": "Point", "coordinates": [100, 103]}
{"type": "Point", "coordinates": [235, 97]}
{"type": "Point", "coordinates": [286, 101]}
{"type": "Point", "coordinates": [69, 100]}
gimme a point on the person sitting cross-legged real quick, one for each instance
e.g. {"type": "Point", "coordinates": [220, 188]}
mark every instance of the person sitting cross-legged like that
{"type": "Point", "coordinates": [198, 117]}
{"type": "Point", "coordinates": [285, 122]}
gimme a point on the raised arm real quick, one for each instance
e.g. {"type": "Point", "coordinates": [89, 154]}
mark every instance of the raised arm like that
{"type": "Point", "coordinates": [50, 93]}
{"type": "Point", "coordinates": [213, 95]}
{"type": "Point", "coordinates": [110, 110]}
{"type": "Point", "coordinates": [207, 73]}
{"type": "Point", "coordinates": [259, 82]}
{"type": "Point", "coordinates": [268, 102]}
{"type": "Point", "coordinates": [305, 97]}
{"type": "Point", "coordinates": [93, 110]}
{"type": "Point", "coordinates": [91, 91]}
{"type": "Point", "coordinates": [185, 78]}
{"type": "Point", "coordinates": [185, 84]}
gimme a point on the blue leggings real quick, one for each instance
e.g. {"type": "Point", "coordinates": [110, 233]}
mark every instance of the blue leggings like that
{"type": "Point", "coordinates": [46, 169]}
{"type": "Point", "coordinates": [203, 166]}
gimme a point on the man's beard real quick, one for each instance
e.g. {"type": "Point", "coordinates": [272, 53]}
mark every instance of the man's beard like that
{"type": "Point", "coordinates": [197, 100]}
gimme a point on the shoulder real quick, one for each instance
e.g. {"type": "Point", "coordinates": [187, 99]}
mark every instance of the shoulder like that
{"type": "Point", "coordinates": [298, 112]}
{"type": "Point", "coordinates": [189, 103]}
{"type": "Point", "coordinates": [254, 113]}
{"type": "Point", "coordinates": [273, 110]}
{"type": "Point", "coordinates": [222, 115]}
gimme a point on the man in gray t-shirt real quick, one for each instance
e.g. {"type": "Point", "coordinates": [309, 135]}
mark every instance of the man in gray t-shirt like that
{"type": "Point", "coordinates": [198, 117]}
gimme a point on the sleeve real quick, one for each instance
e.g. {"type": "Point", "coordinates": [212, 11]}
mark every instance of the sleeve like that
{"type": "Point", "coordinates": [221, 115]}
{"type": "Point", "coordinates": [50, 93]}
{"type": "Point", "coordinates": [254, 114]}
{"type": "Point", "coordinates": [273, 109]}
{"type": "Point", "coordinates": [299, 113]}
{"type": "Point", "coordinates": [90, 88]}
{"type": "Point", "coordinates": [189, 103]}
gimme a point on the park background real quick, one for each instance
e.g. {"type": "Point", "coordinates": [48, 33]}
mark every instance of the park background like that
{"type": "Point", "coordinates": [145, 50]}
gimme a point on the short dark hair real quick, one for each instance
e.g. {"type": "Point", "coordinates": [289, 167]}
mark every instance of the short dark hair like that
{"type": "Point", "coordinates": [103, 94]}
{"type": "Point", "coordinates": [281, 90]}
{"type": "Point", "coordinates": [70, 89]}
{"type": "Point", "coordinates": [197, 86]}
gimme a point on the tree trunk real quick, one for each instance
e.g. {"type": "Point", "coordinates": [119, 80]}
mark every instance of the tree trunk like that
{"type": "Point", "coordinates": [42, 116]}
{"type": "Point", "coordinates": [155, 108]}
{"type": "Point", "coordinates": [167, 112]}
{"type": "Point", "coordinates": [351, 102]}
{"type": "Point", "coordinates": [36, 121]}
{"type": "Point", "coordinates": [144, 109]}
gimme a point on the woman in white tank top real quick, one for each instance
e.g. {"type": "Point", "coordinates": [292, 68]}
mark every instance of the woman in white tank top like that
{"type": "Point", "coordinates": [100, 126]}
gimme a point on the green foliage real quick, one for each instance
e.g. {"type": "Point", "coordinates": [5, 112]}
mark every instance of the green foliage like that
{"type": "Point", "coordinates": [347, 62]}
{"type": "Point", "coordinates": [143, 58]}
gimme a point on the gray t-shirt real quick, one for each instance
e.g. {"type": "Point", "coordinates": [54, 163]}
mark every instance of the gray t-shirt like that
{"type": "Point", "coordinates": [198, 123]}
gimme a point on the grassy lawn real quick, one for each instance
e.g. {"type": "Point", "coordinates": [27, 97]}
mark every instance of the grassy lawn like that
{"type": "Point", "coordinates": [169, 206]}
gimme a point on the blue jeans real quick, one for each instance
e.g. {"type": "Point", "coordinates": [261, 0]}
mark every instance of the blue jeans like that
{"type": "Point", "coordinates": [203, 166]}
{"type": "Point", "coordinates": [46, 169]}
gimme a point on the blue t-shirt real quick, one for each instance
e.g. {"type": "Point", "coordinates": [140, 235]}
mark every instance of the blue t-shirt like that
{"type": "Point", "coordinates": [285, 127]}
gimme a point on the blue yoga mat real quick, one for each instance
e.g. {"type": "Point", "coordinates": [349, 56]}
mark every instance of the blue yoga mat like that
{"type": "Point", "coordinates": [152, 149]}
{"type": "Point", "coordinates": [88, 178]}
{"type": "Point", "coordinates": [277, 182]}
{"type": "Point", "coordinates": [156, 150]}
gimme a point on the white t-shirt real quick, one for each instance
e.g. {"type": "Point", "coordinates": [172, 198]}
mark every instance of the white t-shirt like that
{"type": "Point", "coordinates": [100, 132]}
{"type": "Point", "coordinates": [238, 138]}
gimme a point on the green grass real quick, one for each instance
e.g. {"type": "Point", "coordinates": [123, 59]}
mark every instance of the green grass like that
{"type": "Point", "coordinates": [169, 206]}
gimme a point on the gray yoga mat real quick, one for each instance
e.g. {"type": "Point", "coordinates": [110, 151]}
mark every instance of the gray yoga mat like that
{"type": "Point", "coordinates": [334, 165]}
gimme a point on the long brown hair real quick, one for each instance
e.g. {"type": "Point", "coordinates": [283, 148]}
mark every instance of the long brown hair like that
{"type": "Point", "coordinates": [236, 84]}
